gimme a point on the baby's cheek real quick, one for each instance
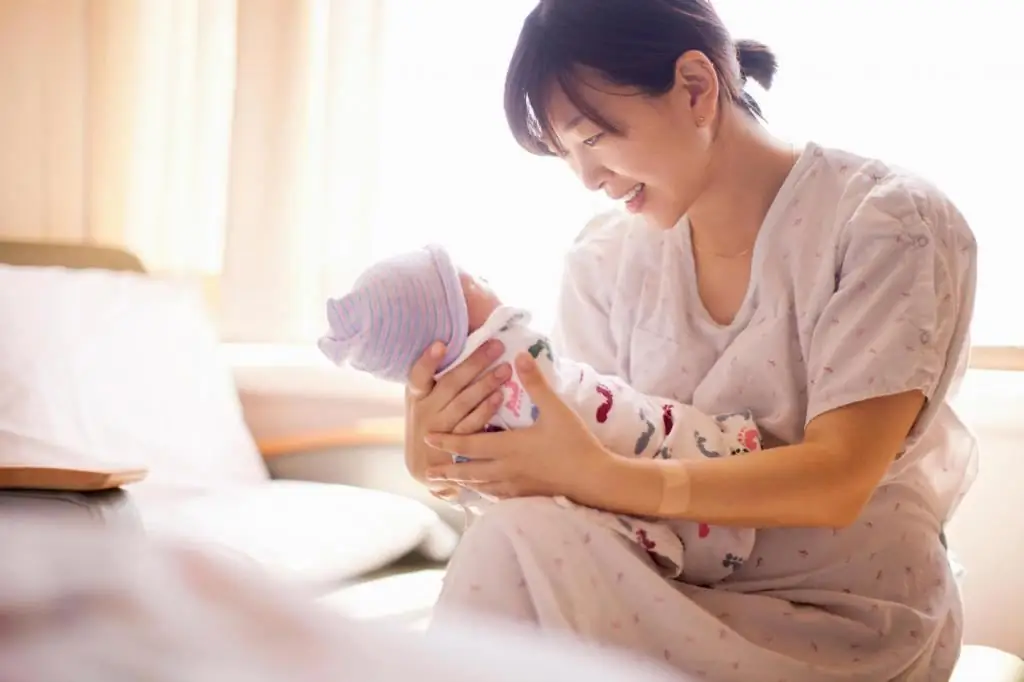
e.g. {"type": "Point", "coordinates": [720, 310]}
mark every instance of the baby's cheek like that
{"type": "Point", "coordinates": [479, 306]}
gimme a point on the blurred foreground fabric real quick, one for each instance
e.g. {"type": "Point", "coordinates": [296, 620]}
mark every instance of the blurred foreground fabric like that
{"type": "Point", "coordinates": [84, 604]}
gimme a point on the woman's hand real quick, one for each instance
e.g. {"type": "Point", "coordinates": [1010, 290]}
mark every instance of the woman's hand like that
{"type": "Point", "coordinates": [462, 401]}
{"type": "Point", "coordinates": [558, 455]}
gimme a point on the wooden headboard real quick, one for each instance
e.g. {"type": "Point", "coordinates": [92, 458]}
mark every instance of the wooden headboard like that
{"type": "Point", "coordinates": [84, 256]}
{"type": "Point", "coordinates": [78, 256]}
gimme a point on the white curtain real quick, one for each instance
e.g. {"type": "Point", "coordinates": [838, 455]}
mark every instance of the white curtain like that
{"type": "Point", "coordinates": [115, 125]}
{"type": "Point", "coordinates": [396, 137]}
{"type": "Point", "coordinates": [279, 146]}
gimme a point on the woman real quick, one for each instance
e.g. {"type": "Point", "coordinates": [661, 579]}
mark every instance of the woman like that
{"type": "Point", "coordinates": [829, 293]}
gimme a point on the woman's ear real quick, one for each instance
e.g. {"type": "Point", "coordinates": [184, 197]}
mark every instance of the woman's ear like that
{"type": "Point", "coordinates": [697, 81]}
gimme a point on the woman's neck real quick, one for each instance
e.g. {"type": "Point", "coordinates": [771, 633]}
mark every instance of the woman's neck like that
{"type": "Point", "coordinates": [747, 171]}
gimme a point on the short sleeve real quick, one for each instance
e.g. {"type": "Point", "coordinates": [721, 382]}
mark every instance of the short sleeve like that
{"type": "Point", "coordinates": [583, 329]}
{"type": "Point", "coordinates": [904, 295]}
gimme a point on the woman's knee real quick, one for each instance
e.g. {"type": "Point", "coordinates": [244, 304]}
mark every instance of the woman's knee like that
{"type": "Point", "coordinates": [513, 515]}
{"type": "Point", "coordinates": [486, 572]}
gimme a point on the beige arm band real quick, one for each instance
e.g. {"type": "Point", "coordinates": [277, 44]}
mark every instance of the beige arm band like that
{"type": "Point", "coordinates": [675, 490]}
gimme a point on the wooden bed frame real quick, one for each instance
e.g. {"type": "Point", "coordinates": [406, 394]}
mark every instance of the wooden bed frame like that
{"type": "Point", "coordinates": [77, 256]}
{"type": "Point", "coordinates": [26, 253]}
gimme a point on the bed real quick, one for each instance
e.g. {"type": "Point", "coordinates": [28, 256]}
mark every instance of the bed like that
{"type": "Point", "coordinates": [105, 367]}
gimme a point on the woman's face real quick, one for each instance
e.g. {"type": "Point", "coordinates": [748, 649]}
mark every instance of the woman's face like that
{"type": "Point", "coordinates": [657, 161]}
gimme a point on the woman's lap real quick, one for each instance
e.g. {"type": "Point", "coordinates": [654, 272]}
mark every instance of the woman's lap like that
{"type": "Point", "coordinates": [533, 561]}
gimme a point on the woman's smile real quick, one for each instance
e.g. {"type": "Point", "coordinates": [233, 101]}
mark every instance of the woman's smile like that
{"type": "Point", "coordinates": [635, 199]}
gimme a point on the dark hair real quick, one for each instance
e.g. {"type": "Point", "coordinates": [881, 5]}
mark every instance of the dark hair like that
{"type": "Point", "coordinates": [631, 43]}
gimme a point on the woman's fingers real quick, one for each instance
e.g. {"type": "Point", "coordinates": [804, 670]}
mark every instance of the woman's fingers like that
{"type": "Point", "coordinates": [452, 384]}
{"type": "Point", "coordinates": [537, 387]}
{"type": "Point", "coordinates": [474, 396]}
{"type": "Point", "coordinates": [480, 446]}
{"type": "Point", "coordinates": [447, 493]}
{"type": "Point", "coordinates": [481, 416]}
{"type": "Point", "coordinates": [421, 376]}
{"type": "Point", "coordinates": [434, 457]}
{"type": "Point", "coordinates": [469, 473]}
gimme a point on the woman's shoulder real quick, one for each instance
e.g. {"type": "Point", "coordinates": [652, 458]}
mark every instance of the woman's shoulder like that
{"type": "Point", "coordinates": [870, 195]}
{"type": "Point", "coordinates": [604, 232]}
{"type": "Point", "coordinates": [606, 241]}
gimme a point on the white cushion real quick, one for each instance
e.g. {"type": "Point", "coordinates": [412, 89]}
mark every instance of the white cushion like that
{"type": "Point", "coordinates": [117, 368]}
{"type": "Point", "coordinates": [986, 664]}
{"type": "Point", "coordinates": [404, 598]}
{"type": "Point", "coordinates": [313, 533]}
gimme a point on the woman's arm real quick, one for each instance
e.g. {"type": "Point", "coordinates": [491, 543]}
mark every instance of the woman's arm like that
{"type": "Point", "coordinates": [824, 481]}
{"type": "Point", "coordinates": [885, 341]}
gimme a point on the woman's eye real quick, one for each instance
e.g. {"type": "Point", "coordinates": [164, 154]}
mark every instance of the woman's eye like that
{"type": "Point", "coordinates": [591, 141]}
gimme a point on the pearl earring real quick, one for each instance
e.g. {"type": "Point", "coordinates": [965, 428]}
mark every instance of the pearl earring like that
{"type": "Point", "coordinates": [700, 120]}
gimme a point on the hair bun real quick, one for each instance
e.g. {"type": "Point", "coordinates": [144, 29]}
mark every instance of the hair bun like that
{"type": "Point", "coordinates": [757, 61]}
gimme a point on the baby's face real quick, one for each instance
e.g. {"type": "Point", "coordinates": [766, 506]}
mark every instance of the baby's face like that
{"type": "Point", "coordinates": [480, 300]}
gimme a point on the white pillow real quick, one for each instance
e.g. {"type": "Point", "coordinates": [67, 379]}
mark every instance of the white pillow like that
{"type": "Point", "coordinates": [121, 369]}
{"type": "Point", "coordinates": [318, 534]}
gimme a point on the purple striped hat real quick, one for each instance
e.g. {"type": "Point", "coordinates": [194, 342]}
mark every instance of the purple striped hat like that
{"type": "Point", "coordinates": [396, 309]}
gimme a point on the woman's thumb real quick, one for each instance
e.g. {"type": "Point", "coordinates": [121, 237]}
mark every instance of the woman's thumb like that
{"type": "Point", "coordinates": [537, 386]}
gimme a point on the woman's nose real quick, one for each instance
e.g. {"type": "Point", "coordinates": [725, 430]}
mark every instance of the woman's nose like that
{"type": "Point", "coordinates": [592, 175]}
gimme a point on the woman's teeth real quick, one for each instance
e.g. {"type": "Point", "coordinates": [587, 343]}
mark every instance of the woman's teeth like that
{"type": "Point", "coordinates": [633, 193]}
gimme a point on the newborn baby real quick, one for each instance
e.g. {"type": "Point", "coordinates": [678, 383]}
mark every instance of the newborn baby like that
{"type": "Point", "coordinates": [401, 305]}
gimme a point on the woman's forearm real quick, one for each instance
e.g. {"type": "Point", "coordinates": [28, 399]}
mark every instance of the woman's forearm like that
{"type": "Point", "coordinates": [797, 485]}
{"type": "Point", "coordinates": [825, 481]}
